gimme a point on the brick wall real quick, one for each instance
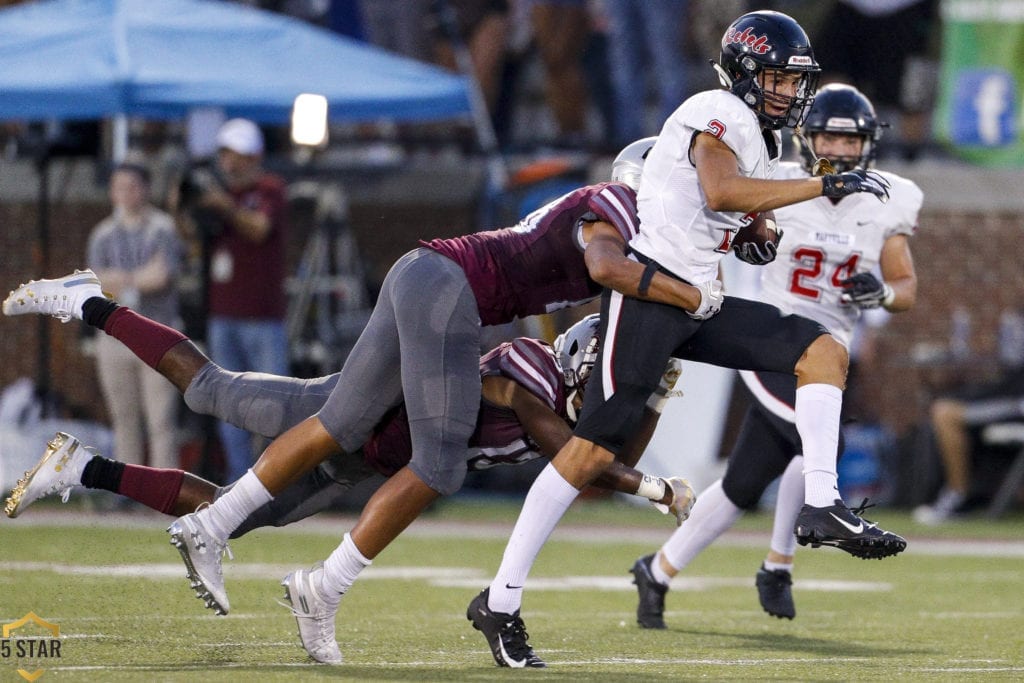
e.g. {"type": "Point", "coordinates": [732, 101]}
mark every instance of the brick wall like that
{"type": "Point", "coordinates": [71, 373]}
{"type": "Point", "coordinates": [966, 258]}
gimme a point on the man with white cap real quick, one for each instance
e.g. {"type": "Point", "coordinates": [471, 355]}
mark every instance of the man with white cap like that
{"type": "Point", "coordinates": [245, 295]}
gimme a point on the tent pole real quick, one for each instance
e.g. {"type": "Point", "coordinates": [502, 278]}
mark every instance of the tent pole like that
{"type": "Point", "coordinates": [119, 141]}
{"type": "Point", "coordinates": [42, 258]}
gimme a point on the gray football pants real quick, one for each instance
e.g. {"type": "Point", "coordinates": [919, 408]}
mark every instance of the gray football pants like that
{"type": "Point", "coordinates": [421, 342]}
{"type": "Point", "coordinates": [269, 405]}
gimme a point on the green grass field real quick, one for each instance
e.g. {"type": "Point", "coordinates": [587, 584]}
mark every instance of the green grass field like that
{"type": "Point", "coordinates": [950, 608]}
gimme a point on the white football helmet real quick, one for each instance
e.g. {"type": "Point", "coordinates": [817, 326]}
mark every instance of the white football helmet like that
{"type": "Point", "coordinates": [629, 163]}
{"type": "Point", "coordinates": [576, 351]}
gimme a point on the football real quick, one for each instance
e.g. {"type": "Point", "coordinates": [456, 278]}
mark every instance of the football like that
{"type": "Point", "coordinates": [759, 230]}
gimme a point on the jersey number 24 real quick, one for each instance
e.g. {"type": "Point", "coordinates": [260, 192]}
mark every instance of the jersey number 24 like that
{"type": "Point", "coordinates": [805, 279]}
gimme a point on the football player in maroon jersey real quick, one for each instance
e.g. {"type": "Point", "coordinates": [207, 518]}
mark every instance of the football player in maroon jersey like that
{"type": "Point", "coordinates": [527, 408]}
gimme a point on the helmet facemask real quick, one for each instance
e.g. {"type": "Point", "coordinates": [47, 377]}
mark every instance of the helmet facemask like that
{"type": "Point", "coordinates": [841, 109]}
{"type": "Point", "coordinates": [576, 351]}
{"type": "Point", "coordinates": [757, 86]}
{"type": "Point", "coordinates": [840, 164]}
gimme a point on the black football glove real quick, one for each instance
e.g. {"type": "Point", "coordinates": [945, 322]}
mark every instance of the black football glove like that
{"type": "Point", "coordinates": [837, 185]}
{"type": "Point", "coordinates": [753, 254]}
{"type": "Point", "coordinates": [864, 290]}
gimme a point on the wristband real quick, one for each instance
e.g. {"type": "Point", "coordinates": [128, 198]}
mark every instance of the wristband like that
{"type": "Point", "coordinates": [657, 402]}
{"type": "Point", "coordinates": [652, 488]}
{"type": "Point", "coordinates": [645, 279]}
{"type": "Point", "coordinates": [888, 296]}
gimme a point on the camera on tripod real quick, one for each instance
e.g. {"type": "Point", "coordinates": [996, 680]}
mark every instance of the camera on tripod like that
{"type": "Point", "coordinates": [193, 186]}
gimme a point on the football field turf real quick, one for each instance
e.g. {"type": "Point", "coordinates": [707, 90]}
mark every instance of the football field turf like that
{"type": "Point", "coordinates": [950, 608]}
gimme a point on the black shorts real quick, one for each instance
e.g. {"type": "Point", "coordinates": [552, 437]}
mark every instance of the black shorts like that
{"type": "Point", "coordinates": [638, 337]}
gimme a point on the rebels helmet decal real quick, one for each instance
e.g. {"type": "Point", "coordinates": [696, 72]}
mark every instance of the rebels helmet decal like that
{"type": "Point", "coordinates": [759, 45]}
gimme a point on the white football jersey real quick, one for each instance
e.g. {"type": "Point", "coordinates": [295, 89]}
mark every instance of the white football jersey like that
{"type": "Point", "coordinates": [677, 229]}
{"type": "Point", "coordinates": [824, 243]}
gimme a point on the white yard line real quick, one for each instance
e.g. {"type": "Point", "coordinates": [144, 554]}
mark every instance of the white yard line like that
{"type": "Point", "coordinates": [448, 577]}
{"type": "Point", "coordinates": [335, 524]}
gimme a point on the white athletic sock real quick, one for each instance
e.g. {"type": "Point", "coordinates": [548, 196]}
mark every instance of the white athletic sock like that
{"type": "Point", "coordinates": [787, 507]}
{"type": "Point", "coordinates": [548, 499]}
{"type": "Point", "coordinates": [228, 512]}
{"type": "Point", "coordinates": [776, 566]}
{"type": "Point", "coordinates": [657, 572]}
{"type": "Point", "coordinates": [817, 421]}
{"type": "Point", "coordinates": [712, 515]}
{"type": "Point", "coordinates": [341, 569]}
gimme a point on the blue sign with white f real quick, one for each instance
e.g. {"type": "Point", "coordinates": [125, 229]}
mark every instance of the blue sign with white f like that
{"type": "Point", "coordinates": [984, 108]}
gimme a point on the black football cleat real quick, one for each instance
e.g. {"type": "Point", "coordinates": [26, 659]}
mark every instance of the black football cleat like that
{"type": "Point", "coordinates": [505, 634]}
{"type": "Point", "coordinates": [775, 592]}
{"type": "Point", "coordinates": [650, 611]}
{"type": "Point", "coordinates": [840, 527]}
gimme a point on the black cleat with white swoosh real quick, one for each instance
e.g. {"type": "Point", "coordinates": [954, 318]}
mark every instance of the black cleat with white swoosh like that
{"type": "Point", "coordinates": [840, 527]}
{"type": "Point", "coordinates": [505, 633]}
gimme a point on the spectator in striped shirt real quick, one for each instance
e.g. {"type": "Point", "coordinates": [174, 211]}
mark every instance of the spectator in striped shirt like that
{"type": "Point", "coordinates": [137, 253]}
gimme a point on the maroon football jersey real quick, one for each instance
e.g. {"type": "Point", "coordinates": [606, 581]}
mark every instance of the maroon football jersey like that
{"type": "Point", "coordinates": [499, 438]}
{"type": "Point", "coordinates": [537, 265]}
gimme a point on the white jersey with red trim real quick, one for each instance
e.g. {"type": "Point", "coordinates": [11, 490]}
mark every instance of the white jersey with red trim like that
{"type": "Point", "coordinates": [825, 242]}
{"type": "Point", "coordinates": [677, 229]}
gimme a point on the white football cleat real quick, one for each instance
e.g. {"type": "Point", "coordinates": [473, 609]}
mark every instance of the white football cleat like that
{"type": "Point", "coordinates": [315, 616]}
{"type": "Point", "coordinates": [61, 298]}
{"type": "Point", "coordinates": [58, 471]}
{"type": "Point", "coordinates": [201, 552]}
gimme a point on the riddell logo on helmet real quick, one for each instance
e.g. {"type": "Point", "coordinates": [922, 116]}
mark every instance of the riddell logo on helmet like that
{"type": "Point", "coordinates": [757, 44]}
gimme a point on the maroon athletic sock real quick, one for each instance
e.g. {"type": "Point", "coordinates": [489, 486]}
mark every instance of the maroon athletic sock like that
{"type": "Point", "coordinates": [155, 488]}
{"type": "Point", "coordinates": [147, 339]}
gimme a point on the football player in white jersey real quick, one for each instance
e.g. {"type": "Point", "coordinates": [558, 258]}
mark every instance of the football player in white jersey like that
{"type": "Point", "coordinates": [825, 271]}
{"type": "Point", "coordinates": [707, 174]}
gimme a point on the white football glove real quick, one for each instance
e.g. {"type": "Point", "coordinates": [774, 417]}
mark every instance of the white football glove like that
{"type": "Point", "coordinates": [683, 499]}
{"type": "Point", "coordinates": [711, 299]}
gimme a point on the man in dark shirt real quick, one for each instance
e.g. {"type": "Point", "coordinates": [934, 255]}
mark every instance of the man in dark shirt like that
{"type": "Point", "coordinates": [246, 297]}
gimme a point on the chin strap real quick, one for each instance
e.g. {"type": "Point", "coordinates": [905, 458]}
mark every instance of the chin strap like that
{"type": "Point", "coordinates": [570, 410]}
{"type": "Point", "coordinates": [723, 76]}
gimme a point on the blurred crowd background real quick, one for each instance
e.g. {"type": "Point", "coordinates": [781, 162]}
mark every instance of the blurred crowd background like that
{"type": "Point", "coordinates": [562, 85]}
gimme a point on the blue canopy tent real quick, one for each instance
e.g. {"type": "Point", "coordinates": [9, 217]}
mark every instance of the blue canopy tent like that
{"type": "Point", "coordinates": [80, 59]}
